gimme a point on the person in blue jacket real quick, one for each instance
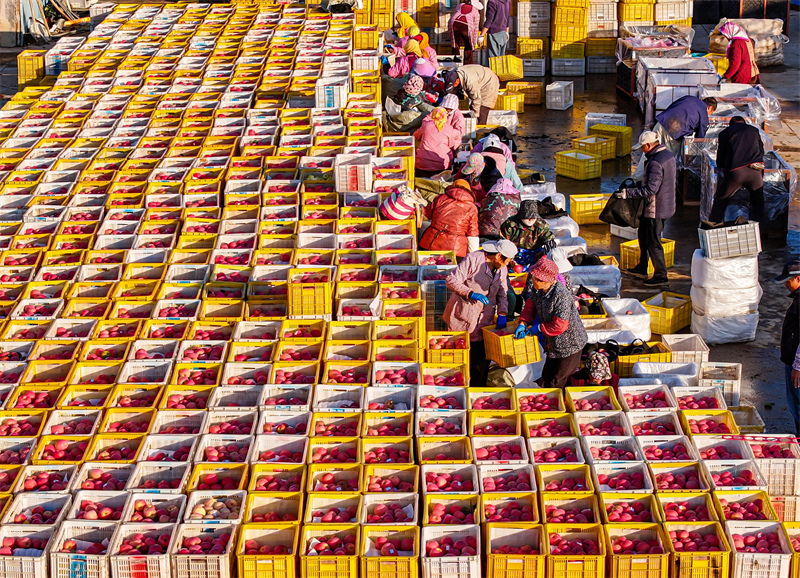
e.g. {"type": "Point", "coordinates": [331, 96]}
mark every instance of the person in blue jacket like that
{"type": "Point", "coordinates": [685, 117]}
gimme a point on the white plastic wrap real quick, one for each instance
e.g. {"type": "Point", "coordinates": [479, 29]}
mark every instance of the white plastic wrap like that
{"type": "Point", "coordinates": [730, 273]}
{"type": "Point", "coordinates": [542, 191]}
{"type": "Point", "coordinates": [572, 245]}
{"type": "Point", "coordinates": [565, 222]}
{"type": "Point", "coordinates": [631, 316]}
{"type": "Point", "coordinates": [719, 330]}
{"type": "Point", "coordinates": [684, 373]}
{"type": "Point", "coordinates": [725, 302]}
{"type": "Point", "coordinates": [762, 103]}
{"type": "Point", "coordinates": [625, 381]}
{"type": "Point", "coordinates": [603, 279]}
{"type": "Point", "coordinates": [618, 335]}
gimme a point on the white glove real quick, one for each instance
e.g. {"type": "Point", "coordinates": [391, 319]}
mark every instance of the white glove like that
{"type": "Point", "coordinates": [481, 40]}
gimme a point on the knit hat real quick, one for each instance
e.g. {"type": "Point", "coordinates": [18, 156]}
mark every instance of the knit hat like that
{"type": "Point", "coordinates": [450, 102]}
{"type": "Point", "coordinates": [528, 210]}
{"type": "Point", "coordinates": [423, 67]}
{"type": "Point", "coordinates": [475, 164]}
{"type": "Point", "coordinates": [414, 85]}
{"type": "Point", "coordinates": [545, 270]}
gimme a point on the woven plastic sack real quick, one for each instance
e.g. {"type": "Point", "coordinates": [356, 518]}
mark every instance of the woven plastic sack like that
{"type": "Point", "coordinates": [631, 316]}
{"type": "Point", "coordinates": [730, 273]}
{"type": "Point", "coordinates": [722, 302]}
{"type": "Point", "coordinates": [719, 330]}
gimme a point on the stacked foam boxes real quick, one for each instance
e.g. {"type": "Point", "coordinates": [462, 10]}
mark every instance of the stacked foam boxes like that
{"type": "Point", "coordinates": [725, 290]}
{"type": "Point", "coordinates": [568, 30]}
{"type": "Point", "coordinates": [533, 31]}
{"type": "Point", "coordinates": [601, 42]}
{"type": "Point", "coordinates": [636, 12]}
{"type": "Point", "coordinates": [677, 12]}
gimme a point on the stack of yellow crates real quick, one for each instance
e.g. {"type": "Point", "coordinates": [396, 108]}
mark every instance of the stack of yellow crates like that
{"type": "Point", "coordinates": [636, 12]}
{"type": "Point", "coordinates": [569, 26]}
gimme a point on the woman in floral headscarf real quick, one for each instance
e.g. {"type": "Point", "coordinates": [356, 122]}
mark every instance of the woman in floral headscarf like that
{"type": "Point", "coordinates": [412, 97]}
{"type": "Point", "coordinates": [436, 141]}
{"type": "Point", "coordinates": [742, 67]}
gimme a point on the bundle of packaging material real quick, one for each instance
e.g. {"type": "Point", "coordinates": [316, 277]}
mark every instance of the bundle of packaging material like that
{"type": "Point", "coordinates": [766, 33]}
{"type": "Point", "coordinates": [725, 295]}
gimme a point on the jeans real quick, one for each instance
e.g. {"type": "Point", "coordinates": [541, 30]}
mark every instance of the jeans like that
{"type": "Point", "coordinates": [792, 398]}
{"type": "Point", "coordinates": [650, 246]}
{"type": "Point", "coordinates": [496, 43]}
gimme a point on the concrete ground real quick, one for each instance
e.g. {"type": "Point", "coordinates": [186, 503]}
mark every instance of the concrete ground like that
{"type": "Point", "coordinates": [544, 132]}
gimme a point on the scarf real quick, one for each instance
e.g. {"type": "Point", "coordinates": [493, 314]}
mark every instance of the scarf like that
{"type": "Point", "coordinates": [414, 85]}
{"type": "Point", "coordinates": [412, 47]}
{"type": "Point", "coordinates": [423, 40]}
{"type": "Point", "coordinates": [404, 21]}
{"type": "Point", "coordinates": [731, 31]}
{"type": "Point", "coordinates": [439, 117]}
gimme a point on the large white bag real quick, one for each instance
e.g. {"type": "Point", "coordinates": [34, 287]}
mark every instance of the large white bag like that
{"type": "Point", "coordinates": [631, 315]}
{"type": "Point", "coordinates": [718, 330]}
{"type": "Point", "coordinates": [619, 335]}
{"type": "Point", "coordinates": [565, 222]}
{"type": "Point", "coordinates": [725, 302]}
{"type": "Point", "coordinates": [729, 273]}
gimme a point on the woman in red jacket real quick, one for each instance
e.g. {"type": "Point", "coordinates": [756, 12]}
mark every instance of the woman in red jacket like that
{"type": "Point", "coordinates": [742, 67]}
{"type": "Point", "coordinates": [454, 221]}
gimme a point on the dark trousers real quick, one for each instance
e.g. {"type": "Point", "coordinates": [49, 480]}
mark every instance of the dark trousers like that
{"type": "Point", "coordinates": [650, 247]}
{"type": "Point", "coordinates": [557, 371]}
{"type": "Point", "coordinates": [478, 364]}
{"type": "Point", "coordinates": [512, 301]}
{"type": "Point", "coordinates": [461, 38]}
{"type": "Point", "coordinates": [483, 114]}
{"type": "Point", "coordinates": [741, 178]}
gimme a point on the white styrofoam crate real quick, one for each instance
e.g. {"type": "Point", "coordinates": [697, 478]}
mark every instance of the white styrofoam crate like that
{"type": "Point", "coordinates": [625, 232]}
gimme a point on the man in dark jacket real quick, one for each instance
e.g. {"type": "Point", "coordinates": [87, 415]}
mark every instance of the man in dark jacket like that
{"type": "Point", "coordinates": [740, 157]}
{"type": "Point", "coordinates": [686, 116]}
{"type": "Point", "coordinates": [495, 27]}
{"type": "Point", "coordinates": [658, 187]}
{"type": "Point", "coordinates": [790, 339]}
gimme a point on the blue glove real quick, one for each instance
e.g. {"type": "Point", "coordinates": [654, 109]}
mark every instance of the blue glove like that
{"type": "Point", "coordinates": [535, 330]}
{"type": "Point", "coordinates": [479, 298]}
{"type": "Point", "coordinates": [384, 60]}
{"type": "Point", "coordinates": [501, 322]}
{"type": "Point", "coordinates": [520, 332]}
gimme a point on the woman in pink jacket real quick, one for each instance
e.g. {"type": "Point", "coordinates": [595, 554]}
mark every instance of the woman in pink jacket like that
{"type": "Point", "coordinates": [463, 26]}
{"type": "Point", "coordinates": [406, 56]}
{"type": "Point", "coordinates": [436, 141]}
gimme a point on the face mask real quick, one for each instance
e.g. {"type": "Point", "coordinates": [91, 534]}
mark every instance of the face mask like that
{"type": "Point", "coordinates": [528, 222]}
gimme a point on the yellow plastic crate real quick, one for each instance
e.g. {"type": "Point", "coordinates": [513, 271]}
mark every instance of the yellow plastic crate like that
{"type": "Point", "coordinates": [507, 351]}
{"type": "Point", "coordinates": [268, 565]}
{"type": "Point", "coordinates": [575, 49]}
{"type": "Point", "coordinates": [586, 209]}
{"type": "Point", "coordinates": [623, 366]}
{"type": "Point", "coordinates": [686, 22]}
{"type": "Point", "coordinates": [743, 498]}
{"type": "Point", "coordinates": [515, 535]}
{"type": "Point", "coordinates": [718, 415]}
{"type": "Point", "coordinates": [629, 254]}
{"type": "Point", "coordinates": [533, 91]}
{"type": "Point", "coordinates": [635, 12]}
{"type": "Point", "coordinates": [508, 67]}
{"type": "Point", "coordinates": [669, 312]}
{"type": "Point", "coordinates": [578, 165]}
{"type": "Point", "coordinates": [747, 419]}
{"type": "Point", "coordinates": [328, 566]}
{"type": "Point", "coordinates": [366, 38]}
{"type": "Point", "coordinates": [630, 565]}
{"type": "Point", "coordinates": [389, 566]}
{"type": "Point", "coordinates": [568, 32]}
{"type": "Point", "coordinates": [569, 15]}
{"type": "Point", "coordinates": [602, 146]}
{"type": "Point", "coordinates": [700, 564]}
{"type": "Point", "coordinates": [601, 46]}
{"type": "Point", "coordinates": [720, 62]}
{"type": "Point", "coordinates": [510, 101]}
{"type": "Point", "coordinates": [577, 566]}
{"type": "Point", "coordinates": [623, 134]}
{"type": "Point", "coordinates": [531, 47]}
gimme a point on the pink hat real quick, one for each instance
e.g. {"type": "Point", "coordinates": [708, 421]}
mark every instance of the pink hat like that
{"type": "Point", "coordinates": [424, 68]}
{"type": "Point", "coordinates": [545, 270]}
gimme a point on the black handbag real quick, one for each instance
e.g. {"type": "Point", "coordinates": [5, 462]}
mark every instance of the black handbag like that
{"type": "Point", "coordinates": [610, 348]}
{"type": "Point", "coordinates": [623, 212]}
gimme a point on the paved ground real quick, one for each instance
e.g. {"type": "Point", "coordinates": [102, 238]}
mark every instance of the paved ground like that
{"type": "Point", "coordinates": [545, 132]}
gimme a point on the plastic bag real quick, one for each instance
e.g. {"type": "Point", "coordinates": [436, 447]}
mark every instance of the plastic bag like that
{"type": "Point", "coordinates": [686, 373]}
{"type": "Point", "coordinates": [631, 315]}
{"type": "Point", "coordinates": [719, 330]}
{"type": "Point", "coordinates": [618, 335]}
{"type": "Point", "coordinates": [723, 302]}
{"type": "Point", "coordinates": [730, 273]}
{"type": "Point", "coordinates": [605, 279]}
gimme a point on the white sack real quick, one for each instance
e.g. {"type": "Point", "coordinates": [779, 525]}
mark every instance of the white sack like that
{"type": "Point", "coordinates": [718, 330]}
{"type": "Point", "coordinates": [572, 245]}
{"type": "Point", "coordinates": [618, 335]}
{"type": "Point", "coordinates": [603, 279]}
{"type": "Point", "coordinates": [637, 321]}
{"type": "Point", "coordinates": [729, 273]}
{"type": "Point", "coordinates": [565, 222]}
{"type": "Point", "coordinates": [671, 373]}
{"type": "Point", "coordinates": [725, 302]}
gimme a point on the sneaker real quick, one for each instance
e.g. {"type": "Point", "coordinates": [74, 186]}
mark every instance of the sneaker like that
{"type": "Point", "coordinates": [637, 272]}
{"type": "Point", "coordinates": [656, 281]}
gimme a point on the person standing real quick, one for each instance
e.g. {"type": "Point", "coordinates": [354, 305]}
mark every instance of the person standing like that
{"type": "Point", "coordinates": [454, 221]}
{"type": "Point", "coordinates": [686, 116]}
{"type": "Point", "coordinates": [479, 286]}
{"type": "Point", "coordinates": [550, 314]}
{"type": "Point", "coordinates": [464, 25]}
{"type": "Point", "coordinates": [742, 67]}
{"type": "Point", "coordinates": [476, 82]}
{"type": "Point", "coordinates": [790, 339]}
{"type": "Point", "coordinates": [495, 27]}
{"type": "Point", "coordinates": [740, 157]}
{"type": "Point", "coordinates": [658, 188]}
